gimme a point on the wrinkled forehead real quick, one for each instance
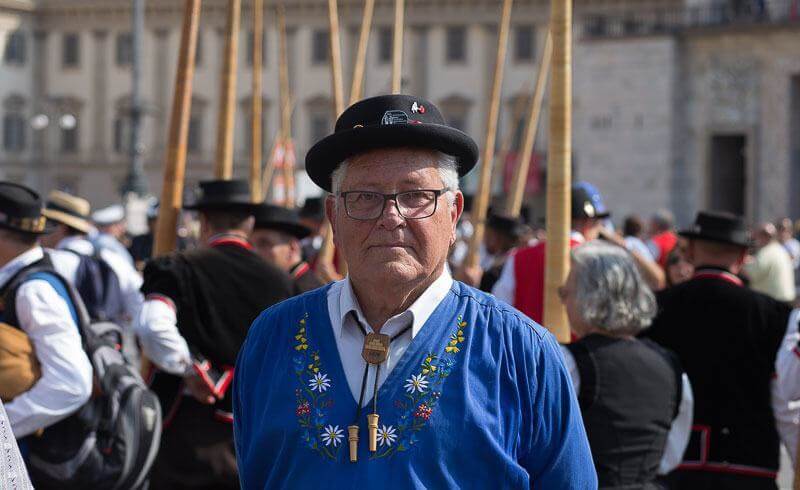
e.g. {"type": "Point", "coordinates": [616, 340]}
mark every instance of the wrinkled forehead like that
{"type": "Point", "coordinates": [392, 168]}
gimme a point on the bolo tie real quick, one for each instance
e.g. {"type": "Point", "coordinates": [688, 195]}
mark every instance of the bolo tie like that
{"type": "Point", "coordinates": [375, 353]}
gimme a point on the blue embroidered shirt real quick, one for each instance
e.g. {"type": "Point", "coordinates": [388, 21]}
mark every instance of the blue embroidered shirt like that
{"type": "Point", "coordinates": [480, 399]}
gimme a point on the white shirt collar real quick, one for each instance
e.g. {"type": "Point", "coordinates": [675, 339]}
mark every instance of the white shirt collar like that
{"type": "Point", "coordinates": [577, 236]}
{"type": "Point", "coordinates": [23, 260]}
{"type": "Point", "coordinates": [418, 313]}
{"type": "Point", "coordinates": [78, 244]}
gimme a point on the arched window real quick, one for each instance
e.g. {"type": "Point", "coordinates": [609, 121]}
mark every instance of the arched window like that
{"type": "Point", "coordinates": [15, 127]}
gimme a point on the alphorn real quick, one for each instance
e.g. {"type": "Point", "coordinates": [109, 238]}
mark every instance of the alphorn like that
{"type": "Point", "coordinates": [559, 171]}
{"type": "Point", "coordinates": [255, 122]}
{"type": "Point", "coordinates": [514, 202]}
{"type": "Point", "coordinates": [357, 87]}
{"type": "Point", "coordinates": [482, 197]}
{"type": "Point", "coordinates": [175, 164]}
{"type": "Point", "coordinates": [397, 48]}
{"type": "Point", "coordinates": [223, 165]}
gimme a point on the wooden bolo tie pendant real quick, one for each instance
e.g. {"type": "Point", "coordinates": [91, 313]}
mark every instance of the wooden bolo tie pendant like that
{"type": "Point", "coordinates": [375, 352]}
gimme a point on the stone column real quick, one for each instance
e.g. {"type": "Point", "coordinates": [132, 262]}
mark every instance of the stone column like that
{"type": "Point", "coordinates": [100, 106]}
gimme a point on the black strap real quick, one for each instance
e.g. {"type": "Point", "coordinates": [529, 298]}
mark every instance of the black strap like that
{"type": "Point", "coordinates": [377, 372]}
{"type": "Point", "coordinates": [587, 371]}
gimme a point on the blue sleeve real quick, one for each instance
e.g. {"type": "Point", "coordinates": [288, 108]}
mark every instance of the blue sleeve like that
{"type": "Point", "coordinates": [555, 449]}
{"type": "Point", "coordinates": [240, 420]}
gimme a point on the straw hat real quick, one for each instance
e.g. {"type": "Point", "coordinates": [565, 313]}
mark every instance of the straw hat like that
{"type": "Point", "coordinates": [68, 210]}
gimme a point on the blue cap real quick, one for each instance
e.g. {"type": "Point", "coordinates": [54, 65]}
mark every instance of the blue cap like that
{"type": "Point", "coordinates": [587, 202]}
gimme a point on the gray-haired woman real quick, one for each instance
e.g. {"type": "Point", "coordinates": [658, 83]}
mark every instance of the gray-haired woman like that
{"type": "Point", "coordinates": [636, 401]}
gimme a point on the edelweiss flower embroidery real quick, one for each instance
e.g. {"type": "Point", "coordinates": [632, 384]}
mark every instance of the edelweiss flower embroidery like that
{"type": "Point", "coordinates": [332, 435]}
{"type": "Point", "coordinates": [386, 435]}
{"type": "Point", "coordinates": [319, 382]}
{"type": "Point", "coordinates": [416, 383]}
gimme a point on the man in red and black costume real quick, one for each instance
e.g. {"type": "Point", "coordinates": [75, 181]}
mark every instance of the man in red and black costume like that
{"type": "Point", "coordinates": [198, 307]}
{"type": "Point", "coordinates": [740, 358]}
{"type": "Point", "coordinates": [276, 238]}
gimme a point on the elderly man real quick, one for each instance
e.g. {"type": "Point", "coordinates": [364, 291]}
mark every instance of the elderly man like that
{"type": "Point", "coordinates": [398, 376]}
{"type": "Point", "coordinates": [770, 270]}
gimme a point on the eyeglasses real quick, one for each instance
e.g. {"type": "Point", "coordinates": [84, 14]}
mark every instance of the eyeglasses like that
{"type": "Point", "coordinates": [417, 204]}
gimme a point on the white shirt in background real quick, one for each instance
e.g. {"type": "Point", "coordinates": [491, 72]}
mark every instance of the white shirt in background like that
{"type": "Point", "coordinates": [66, 381]}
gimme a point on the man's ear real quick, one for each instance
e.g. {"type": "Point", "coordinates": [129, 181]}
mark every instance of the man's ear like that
{"type": "Point", "coordinates": [455, 213]}
{"type": "Point", "coordinates": [330, 212]}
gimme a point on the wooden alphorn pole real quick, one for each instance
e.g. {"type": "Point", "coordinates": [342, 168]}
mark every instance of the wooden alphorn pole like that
{"type": "Point", "coordinates": [336, 59]}
{"type": "Point", "coordinates": [223, 165]}
{"type": "Point", "coordinates": [357, 87]}
{"type": "Point", "coordinates": [514, 202]}
{"type": "Point", "coordinates": [256, 128]}
{"type": "Point", "coordinates": [482, 198]}
{"type": "Point", "coordinates": [175, 165]}
{"type": "Point", "coordinates": [397, 49]}
{"type": "Point", "coordinates": [559, 171]}
{"type": "Point", "coordinates": [286, 113]}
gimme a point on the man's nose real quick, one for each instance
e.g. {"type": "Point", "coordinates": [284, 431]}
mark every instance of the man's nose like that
{"type": "Point", "coordinates": [390, 217]}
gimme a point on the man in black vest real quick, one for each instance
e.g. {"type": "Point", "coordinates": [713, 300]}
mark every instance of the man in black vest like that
{"type": "Point", "coordinates": [198, 308]}
{"type": "Point", "coordinates": [276, 238]}
{"type": "Point", "coordinates": [727, 338]}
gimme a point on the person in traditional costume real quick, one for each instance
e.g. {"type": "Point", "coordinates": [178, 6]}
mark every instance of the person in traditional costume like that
{"type": "Point", "coordinates": [740, 357]}
{"type": "Point", "coordinates": [635, 399]}
{"type": "Point", "coordinates": [503, 234]}
{"type": "Point", "coordinates": [276, 238]}
{"type": "Point", "coordinates": [198, 307]}
{"type": "Point", "coordinates": [398, 376]}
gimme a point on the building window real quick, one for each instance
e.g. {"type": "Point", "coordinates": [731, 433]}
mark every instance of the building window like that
{"type": "Point", "coordinates": [320, 46]}
{"type": "Point", "coordinates": [124, 49]}
{"type": "Point", "coordinates": [250, 37]}
{"type": "Point", "coordinates": [122, 135]}
{"type": "Point", "coordinates": [15, 48]}
{"type": "Point", "coordinates": [195, 139]}
{"type": "Point", "coordinates": [456, 40]}
{"type": "Point", "coordinates": [320, 126]}
{"type": "Point", "coordinates": [385, 44]}
{"type": "Point", "coordinates": [69, 138]}
{"type": "Point", "coordinates": [14, 132]}
{"type": "Point", "coordinates": [524, 43]}
{"type": "Point", "coordinates": [71, 55]}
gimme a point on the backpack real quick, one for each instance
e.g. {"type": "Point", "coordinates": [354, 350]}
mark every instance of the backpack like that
{"type": "Point", "coordinates": [98, 287]}
{"type": "Point", "coordinates": [112, 440]}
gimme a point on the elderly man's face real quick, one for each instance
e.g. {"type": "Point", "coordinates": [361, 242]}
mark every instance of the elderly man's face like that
{"type": "Point", "coordinates": [390, 247]}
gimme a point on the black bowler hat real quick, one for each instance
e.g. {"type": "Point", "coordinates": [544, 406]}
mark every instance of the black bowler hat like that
{"type": "Point", "coordinates": [313, 208]}
{"type": "Point", "coordinates": [388, 121]}
{"type": "Point", "coordinates": [717, 226]}
{"type": "Point", "coordinates": [223, 195]}
{"type": "Point", "coordinates": [511, 227]}
{"type": "Point", "coordinates": [21, 209]}
{"type": "Point", "coordinates": [271, 217]}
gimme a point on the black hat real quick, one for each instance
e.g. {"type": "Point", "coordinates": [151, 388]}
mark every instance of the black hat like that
{"type": "Point", "coordinates": [717, 226]}
{"type": "Point", "coordinates": [313, 208]}
{"type": "Point", "coordinates": [587, 202]}
{"type": "Point", "coordinates": [21, 209]}
{"type": "Point", "coordinates": [388, 121]}
{"type": "Point", "coordinates": [271, 217]}
{"type": "Point", "coordinates": [223, 195]}
{"type": "Point", "coordinates": [506, 225]}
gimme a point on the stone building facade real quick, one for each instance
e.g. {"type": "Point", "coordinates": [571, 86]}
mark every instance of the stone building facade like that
{"type": "Point", "coordinates": [682, 105]}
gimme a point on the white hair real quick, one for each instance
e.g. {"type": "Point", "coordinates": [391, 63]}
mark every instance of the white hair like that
{"type": "Point", "coordinates": [447, 165]}
{"type": "Point", "coordinates": [610, 293]}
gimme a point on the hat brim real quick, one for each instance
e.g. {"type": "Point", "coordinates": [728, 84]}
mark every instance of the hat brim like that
{"type": "Point", "coordinates": [48, 228]}
{"type": "Point", "coordinates": [714, 238]}
{"type": "Point", "coordinates": [323, 158]}
{"type": "Point", "coordinates": [295, 229]}
{"type": "Point", "coordinates": [81, 224]}
{"type": "Point", "coordinates": [233, 207]}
